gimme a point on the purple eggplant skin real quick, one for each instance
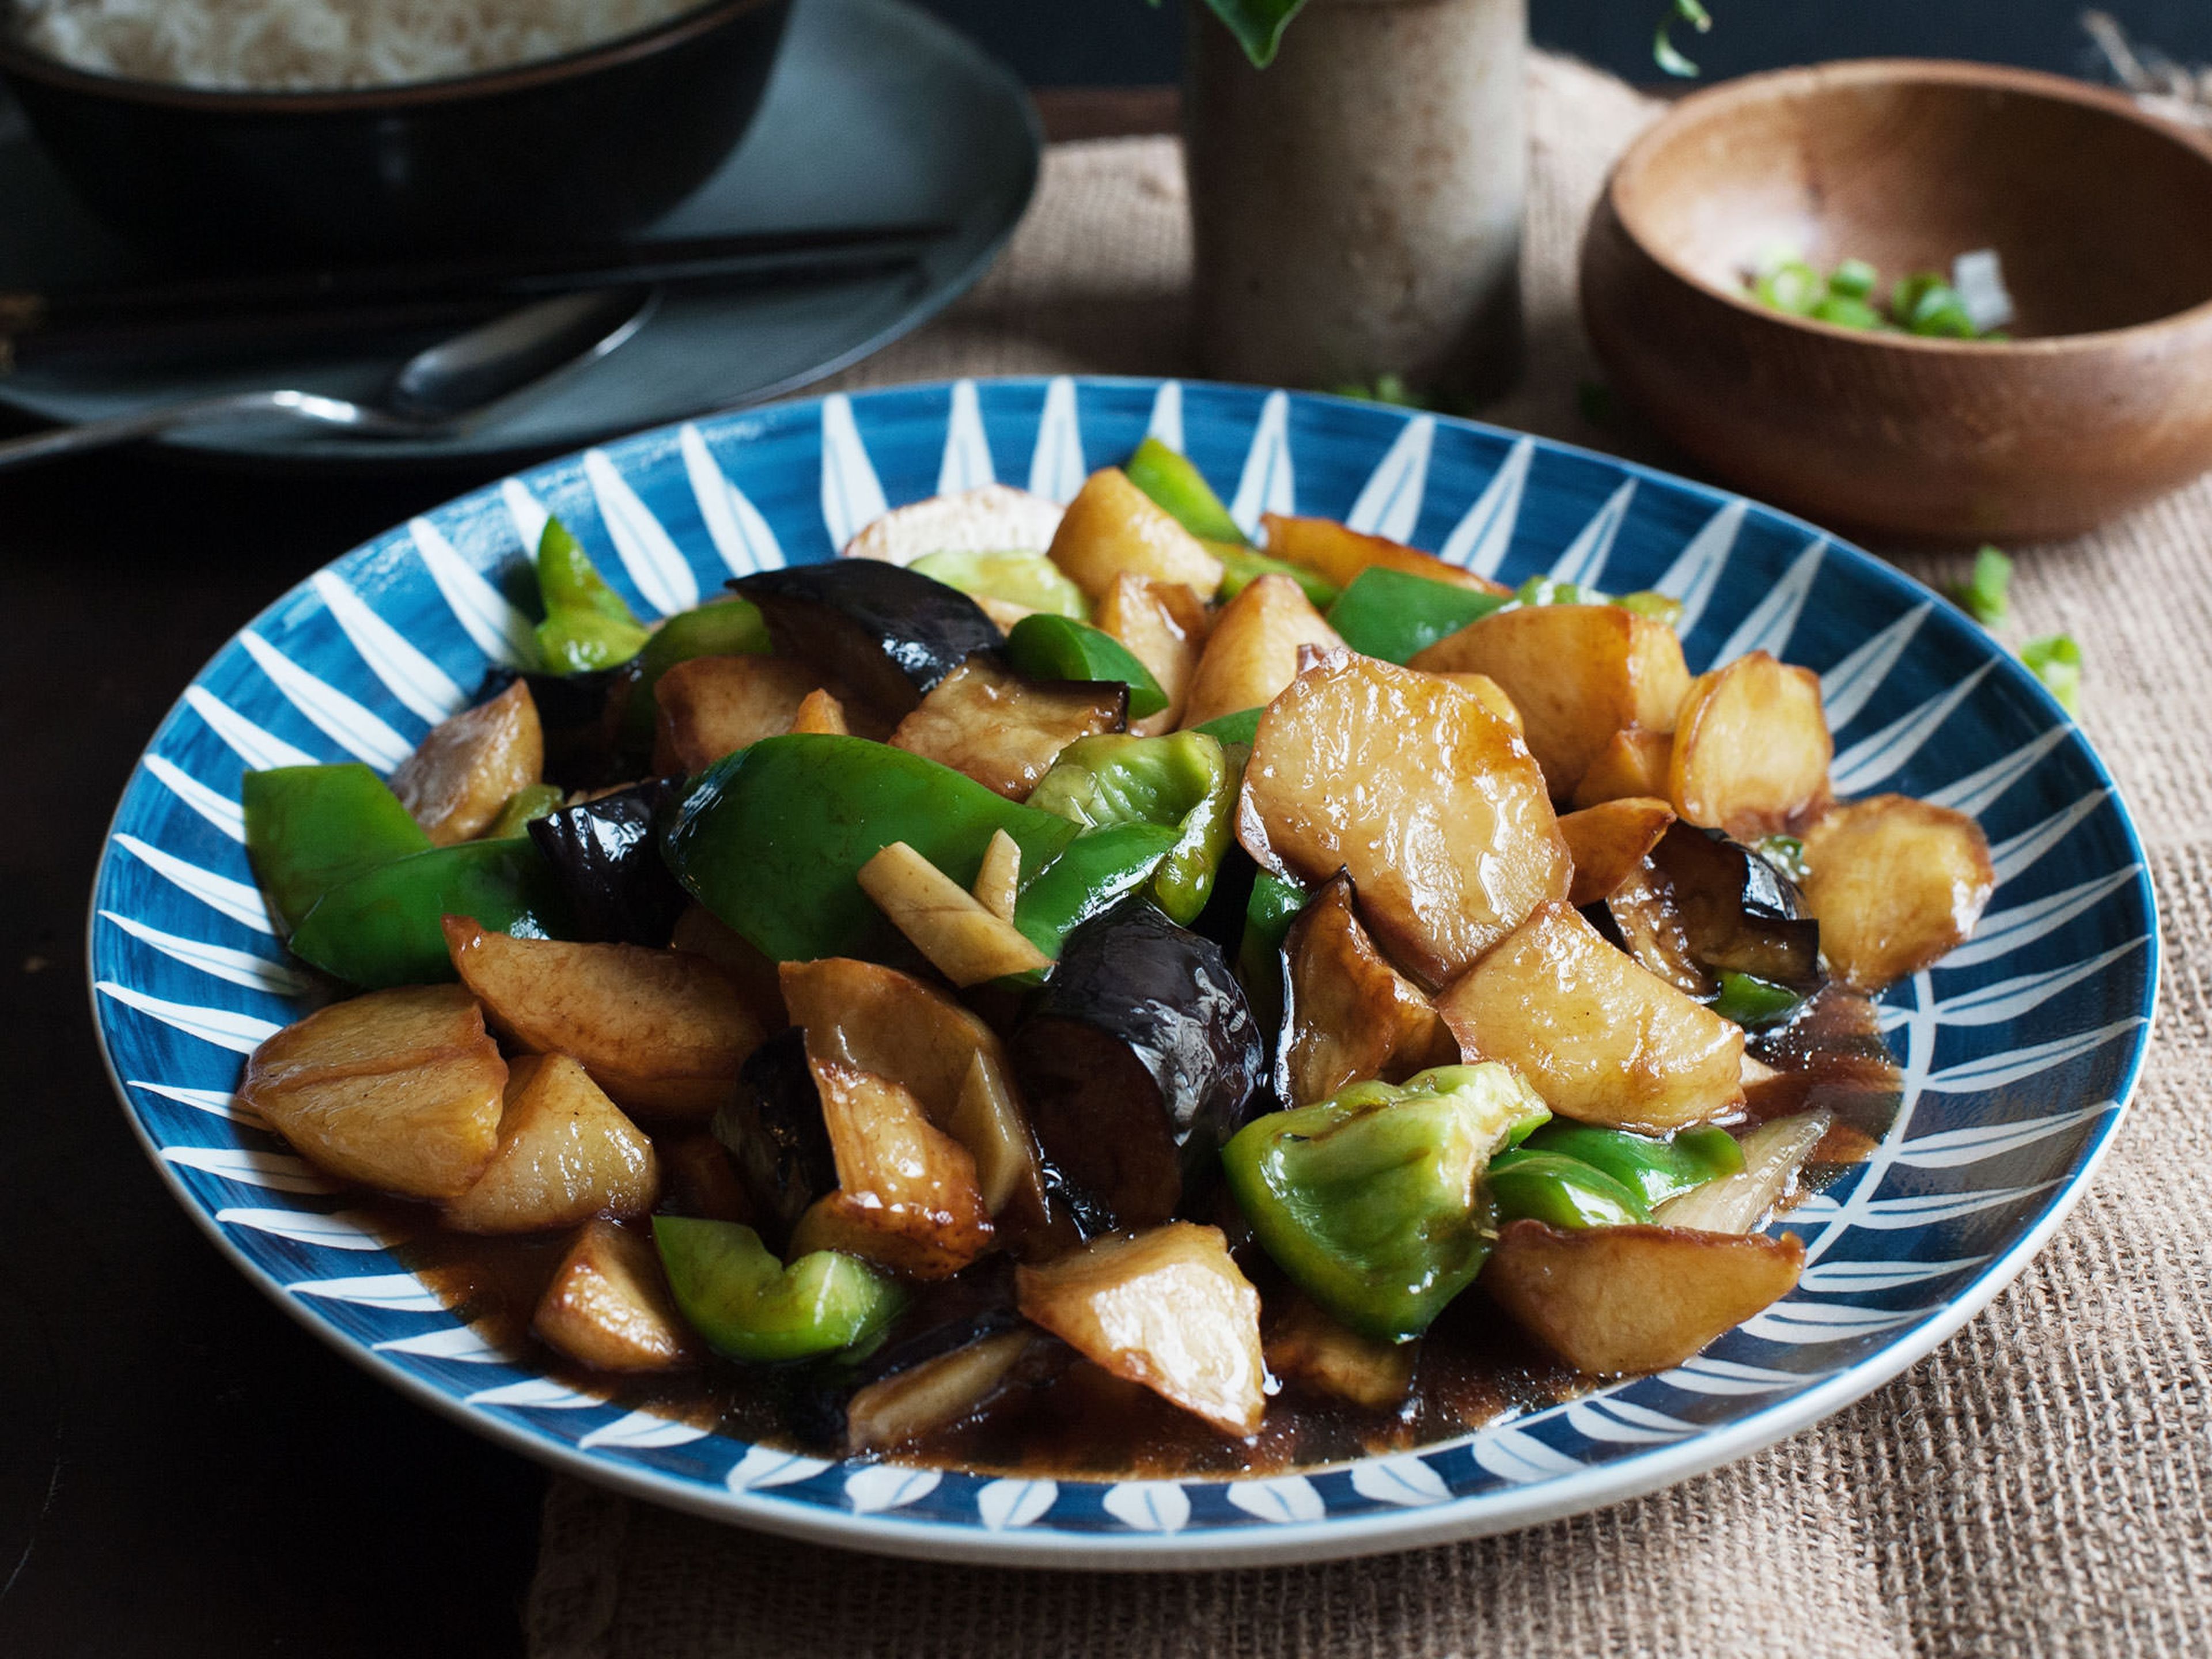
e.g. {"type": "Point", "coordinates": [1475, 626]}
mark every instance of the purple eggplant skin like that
{"type": "Point", "coordinates": [1138, 1058]}
{"type": "Point", "coordinates": [776, 1137]}
{"type": "Point", "coordinates": [1738, 913]}
{"type": "Point", "coordinates": [889, 633]}
{"type": "Point", "coordinates": [582, 718]}
{"type": "Point", "coordinates": [606, 853]}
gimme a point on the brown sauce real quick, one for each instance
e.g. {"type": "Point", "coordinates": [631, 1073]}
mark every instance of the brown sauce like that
{"type": "Point", "coordinates": [1077, 1421]}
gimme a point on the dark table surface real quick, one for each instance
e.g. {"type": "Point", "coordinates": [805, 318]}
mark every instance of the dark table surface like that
{"type": "Point", "coordinates": [183, 1470]}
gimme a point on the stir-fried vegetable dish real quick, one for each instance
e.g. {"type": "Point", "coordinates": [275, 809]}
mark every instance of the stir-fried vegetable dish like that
{"type": "Point", "coordinates": [1091, 989]}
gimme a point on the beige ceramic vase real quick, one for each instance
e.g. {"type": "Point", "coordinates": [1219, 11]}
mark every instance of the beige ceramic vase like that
{"type": "Point", "coordinates": [1357, 204]}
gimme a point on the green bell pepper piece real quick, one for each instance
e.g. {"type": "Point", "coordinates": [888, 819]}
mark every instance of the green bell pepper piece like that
{"type": "Point", "coordinates": [1371, 1201]}
{"type": "Point", "coordinates": [309, 828]}
{"type": "Point", "coordinates": [1662, 608]}
{"type": "Point", "coordinates": [771, 839]}
{"type": "Point", "coordinates": [1098, 870]}
{"type": "Point", "coordinates": [1241, 567]}
{"type": "Point", "coordinates": [1391, 615]}
{"type": "Point", "coordinates": [1029, 579]}
{"type": "Point", "coordinates": [1230, 731]}
{"type": "Point", "coordinates": [1047, 647]}
{"type": "Point", "coordinates": [586, 624]}
{"type": "Point", "coordinates": [1273, 905]}
{"type": "Point", "coordinates": [1653, 1167]}
{"type": "Point", "coordinates": [1561, 1192]}
{"type": "Point", "coordinates": [383, 928]}
{"type": "Point", "coordinates": [1180, 781]}
{"type": "Point", "coordinates": [533, 800]}
{"type": "Point", "coordinates": [1182, 490]}
{"type": "Point", "coordinates": [1754, 1004]}
{"type": "Point", "coordinates": [749, 1306]}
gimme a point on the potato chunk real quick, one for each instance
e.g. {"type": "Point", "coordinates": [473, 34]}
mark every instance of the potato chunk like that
{"type": "Point", "coordinates": [1165, 627]}
{"type": "Point", "coordinates": [1337, 553]}
{"type": "Point", "coordinates": [1492, 695]}
{"type": "Point", "coordinates": [1306, 1344]}
{"type": "Point", "coordinates": [936, 1394]}
{"type": "Point", "coordinates": [609, 1305]}
{"type": "Point", "coordinates": [821, 715]}
{"type": "Point", "coordinates": [1578, 673]}
{"type": "Point", "coordinates": [993, 518]}
{"type": "Point", "coordinates": [1751, 748]}
{"type": "Point", "coordinates": [1003, 730]}
{"type": "Point", "coordinates": [461, 774]}
{"type": "Point", "coordinates": [1252, 654]}
{"type": "Point", "coordinates": [1438, 811]}
{"type": "Point", "coordinates": [907, 1194]}
{"type": "Point", "coordinates": [663, 1033]}
{"type": "Point", "coordinates": [711, 706]}
{"type": "Point", "coordinates": [1624, 1301]}
{"type": "Point", "coordinates": [1895, 883]}
{"type": "Point", "coordinates": [1167, 1307]}
{"type": "Point", "coordinates": [1113, 527]}
{"type": "Point", "coordinates": [1633, 764]}
{"type": "Point", "coordinates": [565, 1153]}
{"type": "Point", "coordinates": [1609, 840]}
{"type": "Point", "coordinates": [1349, 1015]}
{"type": "Point", "coordinates": [398, 1089]}
{"type": "Point", "coordinates": [1601, 1039]}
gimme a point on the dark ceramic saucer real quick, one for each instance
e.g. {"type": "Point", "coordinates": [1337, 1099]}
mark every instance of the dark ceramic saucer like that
{"type": "Point", "coordinates": [875, 113]}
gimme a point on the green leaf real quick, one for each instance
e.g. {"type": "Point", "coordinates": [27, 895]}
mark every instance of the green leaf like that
{"type": "Point", "coordinates": [1258, 25]}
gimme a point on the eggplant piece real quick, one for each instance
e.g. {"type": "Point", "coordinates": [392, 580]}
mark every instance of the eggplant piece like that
{"type": "Point", "coordinates": [776, 1135]}
{"type": "Point", "coordinates": [1738, 913]}
{"type": "Point", "coordinates": [580, 714]}
{"type": "Point", "coordinates": [1138, 1058]}
{"type": "Point", "coordinates": [890, 633]}
{"type": "Point", "coordinates": [606, 853]}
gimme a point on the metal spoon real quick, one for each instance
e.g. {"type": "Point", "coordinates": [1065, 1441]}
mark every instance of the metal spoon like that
{"type": "Point", "coordinates": [448, 387]}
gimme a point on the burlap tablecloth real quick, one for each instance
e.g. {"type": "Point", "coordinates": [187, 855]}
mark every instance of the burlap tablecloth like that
{"type": "Point", "coordinates": [2039, 1485]}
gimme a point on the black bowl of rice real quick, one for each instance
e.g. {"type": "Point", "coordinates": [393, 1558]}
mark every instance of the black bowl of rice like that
{"type": "Point", "coordinates": [247, 130]}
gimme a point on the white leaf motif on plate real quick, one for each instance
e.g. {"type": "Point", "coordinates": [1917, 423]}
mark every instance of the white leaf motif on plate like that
{"type": "Point", "coordinates": [2016, 854]}
{"type": "Point", "coordinates": [1774, 619]}
{"type": "Point", "coordinates": [1267, 485]}
{"type": "Point", "coordinates": [224, 813]}
{"type": "Point", "coordinates": [1389, 502]}
{"type": "Point", "coordinates": [259, 749]}
{"type": "Point", "coordinates": [1873, 759]}
{"type": "Point", "coordinates": [1006, 1506]}
{"type": "Point", "coordinates": [239, 1033]}
{"type": "Point", "coordinates": [1728, 1378]}
{"type": "Point", "coordinates": [1849, 1278]}
{"type": "Point", "coordinates": [1149, 1505]}
{"type": "Point", "coordinates": [763, 1467]}
{"type": "Point", "coordinates": [1516, 1455]}
{"type": "Point", "coordinates": [218, 1102]}
{"type": "Point", "coordinates": [499, 630]}
{"type": "Point", "coordinates": [734, 524]}
{"type": "Point", "coordinates": [236, 899]}
{"type": "Point", "coordinates": [2004, 932]}
{"type": "Point", "coordinates": [642, 1431]}
{"type": "Point", "coordinates": [337, 716]}
{"type": "Point", "coordinates": [1584, 560]}
{"type": "Point", "coordinates": [1847, 688]}
{"type": "Point", "coordinates": [1282, 1501]}
{"type": "Point", "coordinates": [276, 1172]}
{"type": "Point", "coordinates": [393, 1293]}
{"type": "Point", "coordinates": [852, 499]}
{"type": "Point", "coordinates": [2009, 999]}
{"type": "Point", "coordinates": [1799, 1324]}
{"type": "Point", "coordinates": [341, 1229]}
{"type": "Point", "coordinates": [1056, 465]}
{"type": "Point", "coordinates": [1697, 569]}
{"type": "Point", "coordinates": [1928, 1209]}
{"type": "Point", "coordinates": [1166, 424]}
{"type": "Point", "coordinates": [2015, 1065]}
{"type": "Point", "coordinates": [1620, 1422]}
{"type": "Point", "coordinates": [239, 967]}
{"type": "Point", "coordinates": [527, 514]}
{"type": "Point", "coordinates": [647, 552]}
{"type": "Point", "coordinates": [461, 1343]}
{"type": "Point", "coordinates": [420, 684]}
{"type": "Point", "coordinates": [888, 1486]}
{"type": "Point", "coordinates": [1955, 1149]}
{"type": "Point", "coordinates": [1401, 1479]}
{"type": "Point", "coordinates": [1484, 535]}
{"type": "Point", "coordinates": [1976, 793]}
{"type": "Point", "coordinates": [967, 462]}
{"type": "Point", "coordinates": [537, 1393]}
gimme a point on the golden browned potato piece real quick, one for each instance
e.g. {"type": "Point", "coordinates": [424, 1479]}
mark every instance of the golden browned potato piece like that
{"type": "Point", "coordinates": [993, 518]}
{"type": "Point", "coordinates": [1305, 1344]}
{"type": "Point", "coordinates": [906, 1193]}
{"type": "Point", "coordinates": [1492, 695]}
{"type": "Point", "coordinates": [461, 774]}
{"type": "Point", "coordinates": [711, 706]}
{"type": "Point", "coordinates": [1609, 840]}
{"type": "Point", "coordinates": [1578, 673]}
{"type": "Point", "coordinates": [1751, 748]}
{"type": "Point", "coordinates": [1252, 654]}
{"type": "Point", "coordinates": [1625, 1301]}
{"type": "Point", "coordinates": [609, 1305]}
{"type": "Point", "coordinates": [662, 1032]}
{"type": "Point", "coordinates": [700, 932]}
{"type": "Point", "coordinates": [1895, 883]}
{"type": "Point", "coordinates": [937, 1392]}
{"type": "Point", "coordinates": [1349, 1015]}
{"type": "Point", "coordinates": [565, 1153]}
{"type": "Point", "coordinates": [963, 939]}
{"type": "Point", "coordinates": [1112, 527]}
{"type": "Point", "coordinates": [1003, 730]}
{"type": "Point", "coordinates": [1601, 1039]}
{"type": "Point", "coordinates": [1166, 1308]}
{"type": "Point", "coordinates": [1164, 626]}
{"type": "Point", "coordinates": [1634, 763]}
{"type": "Point", "coordinates": [1337, 553]}
{"type": "Point", "coordinates": [1432, 803]}
{"type": "Point", "coordinates": [399, 1089]}
{"type": "Point", "coordinates": [821, 715]}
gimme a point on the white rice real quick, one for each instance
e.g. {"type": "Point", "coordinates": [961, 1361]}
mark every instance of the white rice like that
{"type": "Point", "coordinates": [301, 46]}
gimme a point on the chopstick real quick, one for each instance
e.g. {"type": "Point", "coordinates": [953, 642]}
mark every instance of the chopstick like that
{"type": "Point", "coordinates": [365, 298]}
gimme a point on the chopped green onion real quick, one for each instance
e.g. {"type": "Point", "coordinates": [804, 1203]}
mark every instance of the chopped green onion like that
{"type": "Point", "coordinates": [1843, 311]}
{"type": "Point", "coordinates": [2057, 661]}
{"type": "Point", "coordinates": [1794, 287]}
{"type": "Point", "coordinates": [1854, 279]}
{"type": "Point", "coordinates": [1983, 595]}
{"type": "Point", "coordinates": [1785, 853]}
{"type": "Point", "coordinates": [1662, 608]}
{"type": "Point", "coordinates": [1387, 389]}
{"type": "Point", "coordinates": [1663, 50]}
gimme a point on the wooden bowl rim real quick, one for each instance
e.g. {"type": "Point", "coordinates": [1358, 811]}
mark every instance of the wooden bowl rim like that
{"type": "Point", "coordinates": [1899, 71]}
{"type": "Point", "coordinates": [23, 62]}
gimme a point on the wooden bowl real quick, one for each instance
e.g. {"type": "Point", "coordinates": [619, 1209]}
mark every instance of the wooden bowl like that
{"type": "Point", "coordinates": [2101, 214]}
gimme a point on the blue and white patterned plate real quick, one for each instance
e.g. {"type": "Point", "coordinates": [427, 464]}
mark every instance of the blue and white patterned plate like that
{"type": "Point", "coordinates": [2019, 1049]}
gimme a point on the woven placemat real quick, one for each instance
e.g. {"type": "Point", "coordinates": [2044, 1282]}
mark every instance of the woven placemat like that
{"type": "Point", "coordinates": [2039, 1486]}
